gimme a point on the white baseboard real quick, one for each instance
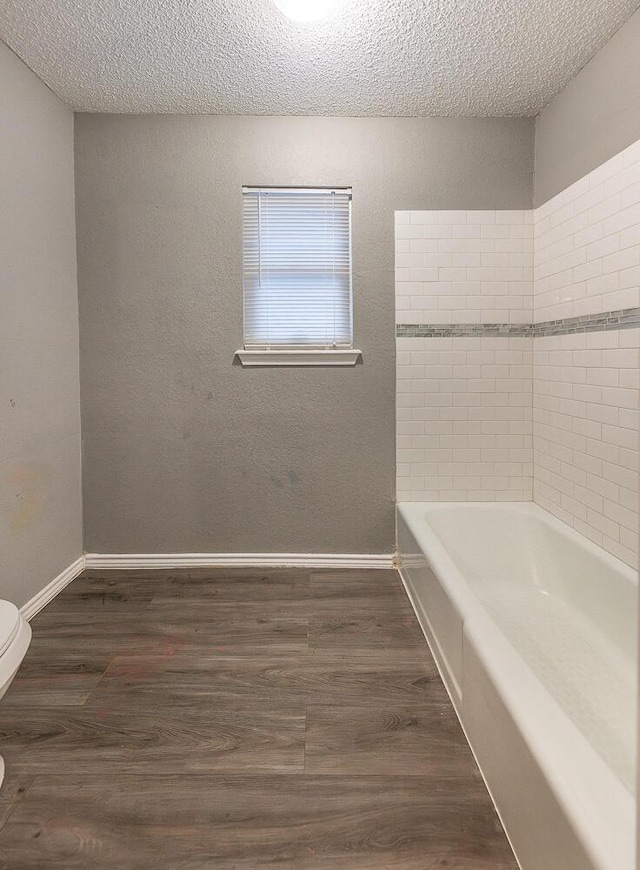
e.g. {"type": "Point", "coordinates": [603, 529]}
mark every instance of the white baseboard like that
{"type": "Point", "coordinates": [150, 561]}
{"type": "Point", "coordinates": [40, 599]}
{"type": "Point", "coordinates": [236, 560]}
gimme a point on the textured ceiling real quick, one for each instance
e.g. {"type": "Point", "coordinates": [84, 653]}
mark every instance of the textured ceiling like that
{"type": "Point", "coordinates": [371, 57]}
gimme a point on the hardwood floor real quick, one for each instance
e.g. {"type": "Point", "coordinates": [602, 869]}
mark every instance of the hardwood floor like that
{"type": "Point", "coordinates": [210, 720]}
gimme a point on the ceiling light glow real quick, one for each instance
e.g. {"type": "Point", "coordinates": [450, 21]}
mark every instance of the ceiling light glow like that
{"type": "Point", "coordinates": [306, 10]}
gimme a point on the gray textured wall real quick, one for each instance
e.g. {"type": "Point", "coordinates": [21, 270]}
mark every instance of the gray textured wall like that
{"type": "Point", "coordinates": [40, 490]}
{"type": "Point", "coordinates": [593, 118]}
{"type": "Point", "coordinates": [185, 451]}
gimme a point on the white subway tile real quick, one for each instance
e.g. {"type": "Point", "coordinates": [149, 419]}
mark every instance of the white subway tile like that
{"type": "Point", "coordinates": [481, 217]}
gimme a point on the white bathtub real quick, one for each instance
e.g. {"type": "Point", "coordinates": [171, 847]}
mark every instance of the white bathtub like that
{"type": "Point", "coordinates": [534, 630]}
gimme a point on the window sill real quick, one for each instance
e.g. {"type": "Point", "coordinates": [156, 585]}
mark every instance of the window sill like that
{"type": "Point", "coordinates": [299, 357]}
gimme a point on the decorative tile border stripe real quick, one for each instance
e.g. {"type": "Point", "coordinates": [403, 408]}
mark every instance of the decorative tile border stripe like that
{"type": "Point", "coordinates": [461, 330]}
{"type": "Point", "coordinates": [626, 318]}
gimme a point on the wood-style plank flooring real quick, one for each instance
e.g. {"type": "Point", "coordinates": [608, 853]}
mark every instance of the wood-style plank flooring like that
{"type": "Point", "coordinates": [239, 719]}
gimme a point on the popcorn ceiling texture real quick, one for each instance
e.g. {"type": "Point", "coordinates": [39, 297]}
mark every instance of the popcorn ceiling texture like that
{"type": "Point", "coordinates": [371, 57]}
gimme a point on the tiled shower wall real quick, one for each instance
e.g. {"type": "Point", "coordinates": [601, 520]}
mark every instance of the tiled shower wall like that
{"type": "Point", "coordinates": [492, 408]}
{"type": "Point", "coordinates": [464, 401]}
{"type": "Point", "coordinates": [585, 397]}
{"type": "Point", "coordinates": [464, 419]}
{"type": "Point", "coordinates": [464, 266]}
{"type": "Point", "coordinates": [587, 243]}
{"type": "Point", "coordinates": [585, 388]}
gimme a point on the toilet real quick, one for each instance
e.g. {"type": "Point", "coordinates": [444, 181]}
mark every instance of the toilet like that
{"type": "Point", "coordinates": [15, 636]}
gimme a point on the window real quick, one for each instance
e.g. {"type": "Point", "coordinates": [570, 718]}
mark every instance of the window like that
{"type": "Point", "coordinates": [297, 275]}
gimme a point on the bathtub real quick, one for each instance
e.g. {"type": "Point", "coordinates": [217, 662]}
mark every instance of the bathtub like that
{"type": "Point", "coordinates": [534, 631]}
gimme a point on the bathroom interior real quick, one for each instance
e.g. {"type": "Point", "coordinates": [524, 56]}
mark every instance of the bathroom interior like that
{"type": "Point", "coordinates": [319, 377]}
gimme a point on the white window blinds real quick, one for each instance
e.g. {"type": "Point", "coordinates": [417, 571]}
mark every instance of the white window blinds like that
{"type": "Point", "coordinates": [297, 268]}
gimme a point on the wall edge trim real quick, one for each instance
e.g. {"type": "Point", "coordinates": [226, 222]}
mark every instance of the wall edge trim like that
{"type": "Point", "coordinates": [55, 587]}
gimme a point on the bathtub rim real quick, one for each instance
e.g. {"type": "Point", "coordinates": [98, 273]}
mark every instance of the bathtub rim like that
{"type": "Point", "coordinates": [412, 514]}
{"type": "Point", "coordinates": [599, 807]}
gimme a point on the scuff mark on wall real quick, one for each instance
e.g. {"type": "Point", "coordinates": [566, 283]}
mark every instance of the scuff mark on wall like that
{"type": "Point", "coordinates": [291, 478]}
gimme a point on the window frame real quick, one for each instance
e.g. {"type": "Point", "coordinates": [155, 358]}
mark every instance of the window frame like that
{"type": "Point", "coordinates": [251, 354]}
